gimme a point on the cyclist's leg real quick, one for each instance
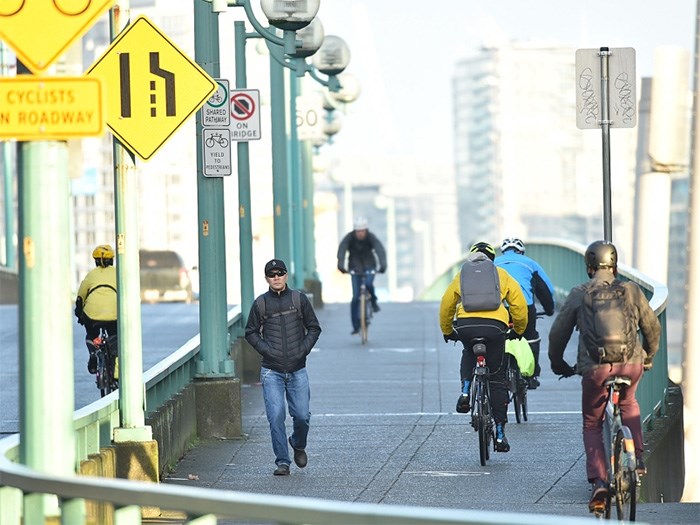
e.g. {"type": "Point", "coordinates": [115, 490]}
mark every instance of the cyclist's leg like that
{"type": "Point", "coordinates": [369, 282]}
{"type": "Point", "coordinates": [92, 330]}
{"type": "Point", "coordinates": [593, 401]}
{"type": "Point", "coordinates": [533, 337]}
{"type": "Point", "coordinates": [629, 408]}
{"type": "Point", "coordinates": [355, 303]}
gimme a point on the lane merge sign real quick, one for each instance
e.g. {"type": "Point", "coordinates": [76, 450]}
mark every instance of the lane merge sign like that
{"type": "Point", "coordinates": [245, 115]}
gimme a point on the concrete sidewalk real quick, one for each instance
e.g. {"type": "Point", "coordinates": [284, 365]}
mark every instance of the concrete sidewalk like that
{"type": "Point", "coordinates": [384, 430]}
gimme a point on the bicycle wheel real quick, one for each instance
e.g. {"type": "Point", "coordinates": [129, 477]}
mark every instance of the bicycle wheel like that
{"type": "Point", "coordinates": [625, 476]}
{"type": "Point", "coordinates": [481, 424]}
{"type": "Point", "coordinates": [363, 318]}
{"type": "Point", "coordinates": [522, 389]}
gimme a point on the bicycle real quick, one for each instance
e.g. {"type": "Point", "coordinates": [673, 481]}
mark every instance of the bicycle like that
{"type": "Point", "coordinates": [216, 138]}
{"type": "Point", "coordinates": [107, 374]}
{"type": "Point", "coordinates": [366, 311]}
{"type": "Point", "coordinates": [480, 395]}
{"type": "Point", "coordinates": [620, 456]}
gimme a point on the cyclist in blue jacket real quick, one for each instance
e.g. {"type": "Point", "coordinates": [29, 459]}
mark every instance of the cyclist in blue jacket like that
{"type": "Point", "coordinates": [534, 283]}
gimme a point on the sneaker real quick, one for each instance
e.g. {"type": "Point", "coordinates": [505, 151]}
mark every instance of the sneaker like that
{"type": "Point", "coordinates": [375, 308]}
{"type": "Point", "coordinates": [281, 470]}
{"type": "Point", "coordinates": [463, 406]}
{"type": "Point", "coordinates": [533, 383]}
{"type": "Point", "coordinates": [599, 496]}
{"type": "Point", "coordinates": [501, 440]}
{"type": "Point", "coordinates": [300, 458]}
{"type": "Point", "coordinates": [92, 363]}
{"type": "Point", "coordinates": [641, 467]}
{"type": "Point", "coordinates": [355, 331]}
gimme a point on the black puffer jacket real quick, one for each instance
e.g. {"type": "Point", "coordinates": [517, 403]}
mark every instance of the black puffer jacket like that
{"type": "Point", "coordinates": [283, 338]}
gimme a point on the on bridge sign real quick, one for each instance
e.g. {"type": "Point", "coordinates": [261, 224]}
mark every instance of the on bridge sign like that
{"type": "Point", "coordinates": [622, 94]}
{"type": "Point", "coordinates": [245, 115]}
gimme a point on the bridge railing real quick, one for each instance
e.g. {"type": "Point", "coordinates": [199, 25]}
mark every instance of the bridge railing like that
{"type": "Point", "coordinates": [563, 262]}
{"type": "Point", "coordinates": [95, 423]}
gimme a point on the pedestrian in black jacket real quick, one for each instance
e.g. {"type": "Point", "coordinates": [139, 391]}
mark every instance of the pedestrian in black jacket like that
{"type": "Point", "coordinates": [283, 328]}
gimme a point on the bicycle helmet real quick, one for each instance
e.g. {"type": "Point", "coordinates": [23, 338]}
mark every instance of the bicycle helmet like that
{"type": "Point", "coordinates": [601, 254]}
{"type": "Point", "coordinates": [361, 223]}
{"type": "Point", "coordinates": [513, 244]}
{"type": "Point", "coordinates": [103, 255]}
{"type": "Point", "coordinates": [484, 248]}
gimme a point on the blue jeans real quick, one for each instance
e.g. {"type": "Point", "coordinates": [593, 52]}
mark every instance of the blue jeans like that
{"type": "Point", "coordinates": [355, 303]}
{"type": "Point", "coordinates": [294, 386]}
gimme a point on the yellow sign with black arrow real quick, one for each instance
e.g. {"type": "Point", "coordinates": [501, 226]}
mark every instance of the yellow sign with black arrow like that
{"type": "Point", "coordinates": [151, 87]}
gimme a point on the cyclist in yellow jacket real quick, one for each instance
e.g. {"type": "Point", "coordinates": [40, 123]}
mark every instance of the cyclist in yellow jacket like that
{"type": "Point", "coordinates": [96, 304]}
{"type": "Point", "coordinates": [458, 324]}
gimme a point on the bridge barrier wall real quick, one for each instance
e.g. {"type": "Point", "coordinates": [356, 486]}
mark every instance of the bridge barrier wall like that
{"type": "Point", "coordinates": [9, 286]}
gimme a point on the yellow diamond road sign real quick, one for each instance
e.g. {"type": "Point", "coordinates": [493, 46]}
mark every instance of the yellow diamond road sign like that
{"type": "Point", "coordinates": [151, 87]}
{"type": "Point", "coordinates": [40, 31]}
{"type": "Point", "coordinates": [50, 108]}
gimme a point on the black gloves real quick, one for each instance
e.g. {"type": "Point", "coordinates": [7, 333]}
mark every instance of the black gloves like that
{"type": "Point", "coordinates": [562, 368]}
{"type": "Point", "coordinates": [382, 269]}
{"type": "Point", "coordinates": [450, 337]}
{"type": "Point", "coordinates": [342, 269]}
{"type": "Point", "coordinates": [79, 310]}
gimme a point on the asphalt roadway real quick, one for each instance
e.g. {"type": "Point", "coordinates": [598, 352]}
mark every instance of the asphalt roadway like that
{"type": "Point", "coordinates": [384, 430]}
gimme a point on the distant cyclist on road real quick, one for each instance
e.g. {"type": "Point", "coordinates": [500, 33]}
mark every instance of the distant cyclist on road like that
{"type": "Point", "coordinates": [364, 253]}
{"type": "Point", "coordinates": [96, 304]}
{"type": "Point", "coordinates": [491, 324]}
{"type": "Point", "coordinates": [534, 283]}
{"type": "Point", "coordinates": [605, 305]}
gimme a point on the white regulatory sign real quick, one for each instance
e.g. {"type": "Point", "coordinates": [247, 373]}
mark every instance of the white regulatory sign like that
{"type": "Point", "coordinates": [216, 112]}
{"type": "Point", "coordinates": [245, 115]}
{"type": "Point", "coordinates": [621, 88]}
{"type": "Point", "coordinates": [217, 152]}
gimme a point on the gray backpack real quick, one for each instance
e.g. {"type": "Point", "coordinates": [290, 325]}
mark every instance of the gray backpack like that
{"type": "Point", "coordinates": [479, 284]}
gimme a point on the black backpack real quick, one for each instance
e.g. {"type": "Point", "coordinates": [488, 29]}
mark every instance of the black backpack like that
{"type": "Point", "coordinates": [609, 328]}
{"type": "Point", "coordinates": [296, 306]}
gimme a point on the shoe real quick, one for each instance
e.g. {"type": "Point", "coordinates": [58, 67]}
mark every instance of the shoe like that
{"type": "Point", "coordinates": [501, 441]}
{"type": "Point", "coordinates": [281, 470]}
{"type": "Point", "coordinates": [355, 331]}
{"type": "Point", "coordinates": [599, 496]}
{"type": "Point", "coordinates": [463, 406]}
{"type": "Point", "coordinates": [300, 458]}
{"type": "Point", "coordinates": [533, 383]}
{"type": "Point", "coordinates": [375, 308]}
{"type": "Point", "coordinates": [641, 467]}
{"type": "Point", "coordinates": [92, 363]}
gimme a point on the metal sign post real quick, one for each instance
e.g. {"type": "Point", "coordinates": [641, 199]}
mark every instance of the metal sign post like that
{"type": "Point", "coordinates": [606, 97]}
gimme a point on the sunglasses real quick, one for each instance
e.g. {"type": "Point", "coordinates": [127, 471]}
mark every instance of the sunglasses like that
{"type": "Point", "coordinates": [276, 273]}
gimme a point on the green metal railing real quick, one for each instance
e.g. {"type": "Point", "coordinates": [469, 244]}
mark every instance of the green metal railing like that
{"type": "Point", "coordinates": [94, 425]}
{"type": "Point", "coordinates": [563, 262]}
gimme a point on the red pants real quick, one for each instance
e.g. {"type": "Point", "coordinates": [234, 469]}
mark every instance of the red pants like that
{"type": "Point", "coordinates": [593, 398]}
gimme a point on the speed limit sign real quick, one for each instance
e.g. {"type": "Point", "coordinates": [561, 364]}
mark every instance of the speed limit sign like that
{"type": "Point", "coordinates": [309, 117]}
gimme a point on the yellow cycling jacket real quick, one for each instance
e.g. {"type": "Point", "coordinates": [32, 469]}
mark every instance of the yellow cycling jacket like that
{"type": "Point", "coordinates": [510, 292]}
{"type": "Point", "coordinates": [99, 293]}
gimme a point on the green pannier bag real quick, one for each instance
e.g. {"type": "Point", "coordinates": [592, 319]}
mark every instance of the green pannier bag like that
{"type": "Point", "coordinates": [520, 349]}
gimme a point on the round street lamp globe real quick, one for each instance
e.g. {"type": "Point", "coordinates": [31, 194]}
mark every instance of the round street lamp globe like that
{"type": "Point", "coordinates": [349, 88]}
{"type": "Point", "coordinates": [332, 124]}
{"type": "Point", "coordinates": [333, 56]}
{"type": "Point", "coordinates": [290, 15]}
{"type": "Point", "coordinates": [311, 38]}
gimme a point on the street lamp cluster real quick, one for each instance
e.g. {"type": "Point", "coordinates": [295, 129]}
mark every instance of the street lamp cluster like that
{"type": "Point", "coordinates": [302, 36]}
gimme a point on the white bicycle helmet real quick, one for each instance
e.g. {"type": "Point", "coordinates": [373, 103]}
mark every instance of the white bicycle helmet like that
{"type": "Point", "coordinates": [513, 243]}
{"type": "Point", "coordinates": [361, 223]}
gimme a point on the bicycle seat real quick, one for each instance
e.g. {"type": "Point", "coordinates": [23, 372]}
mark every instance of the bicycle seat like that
{"type": "Point", "coordinates": [618, 381]}
{"type": "Point", "coordinates": [478, 345]}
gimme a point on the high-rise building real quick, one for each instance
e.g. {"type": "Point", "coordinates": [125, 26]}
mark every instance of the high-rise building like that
{"type": "Point", "coordinates": [522, 166]}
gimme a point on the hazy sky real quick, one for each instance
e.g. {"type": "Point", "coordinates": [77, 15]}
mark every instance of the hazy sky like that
{"type": "Point", "coordinates": [404, 52]}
